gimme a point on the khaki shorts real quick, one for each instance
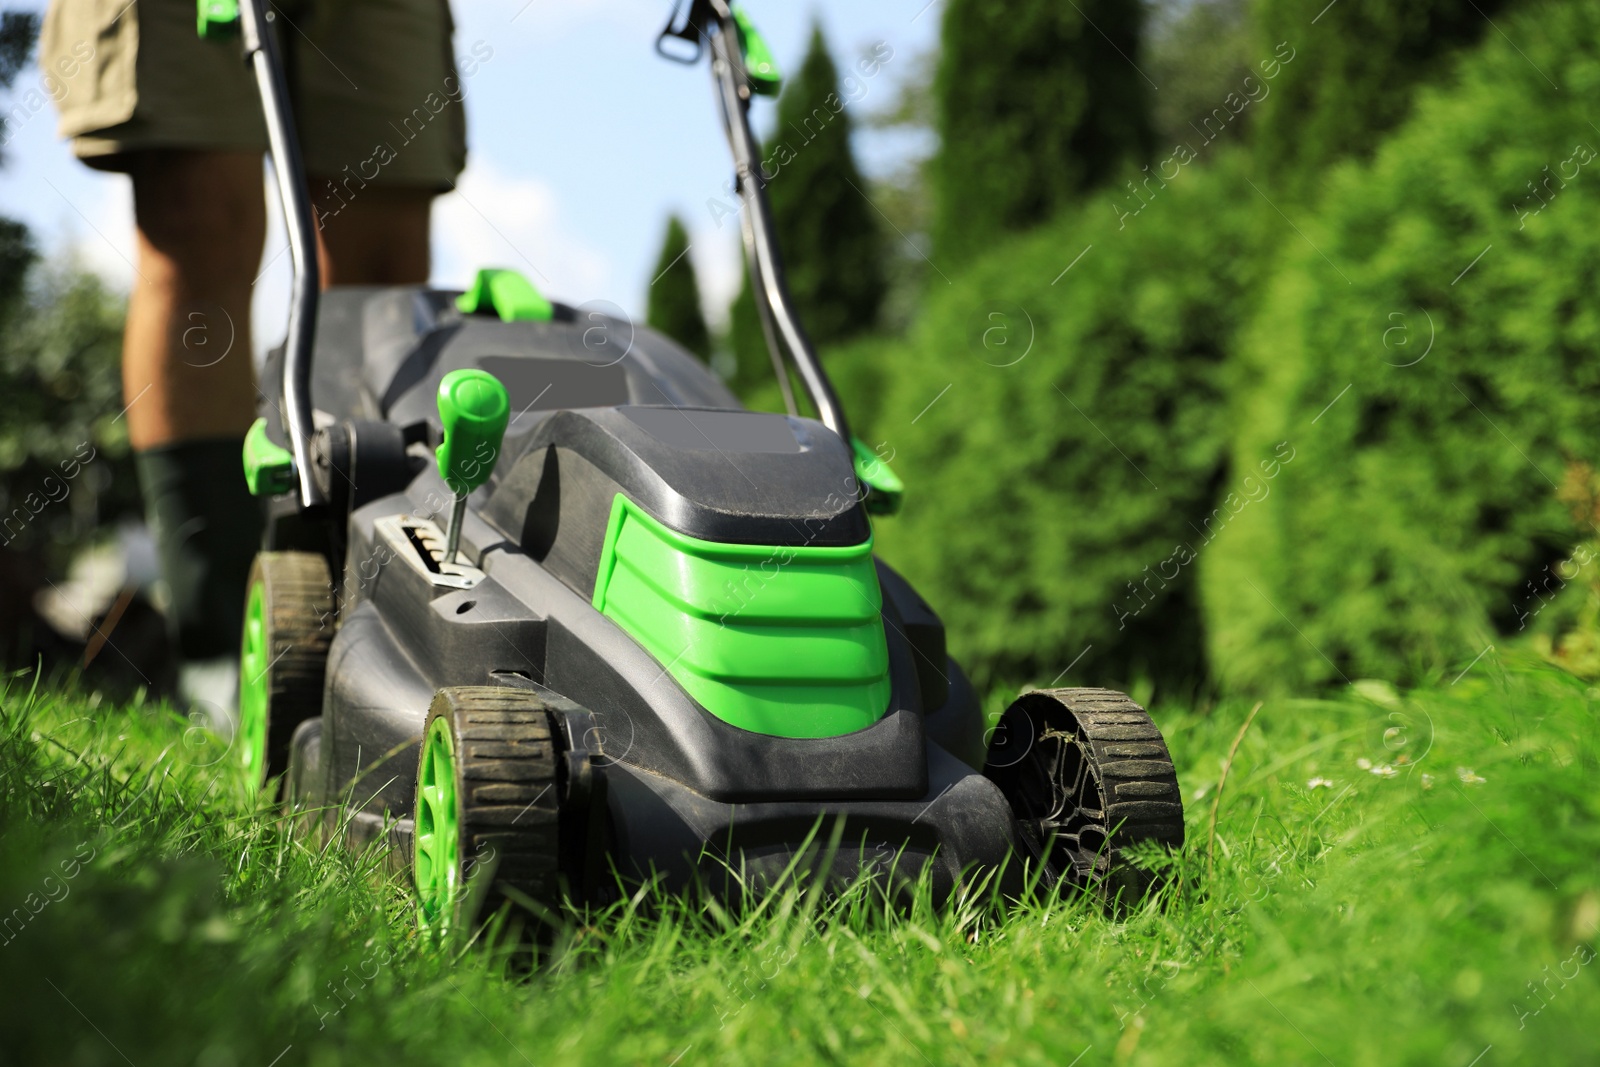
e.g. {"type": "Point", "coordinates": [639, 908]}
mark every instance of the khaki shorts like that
{"type": "Point", "coordinates": [375, 87]}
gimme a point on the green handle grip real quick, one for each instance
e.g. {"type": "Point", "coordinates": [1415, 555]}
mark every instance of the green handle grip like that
{"type": "Point", "coordinates": [765, 80]}
{"type": "Point", "coordinates": [268, 467]}
{"type": "Point", "coordinates": [474, 408]}
{"type": "Point", "coordinates": [886, 488]}
{"type": "Point", "coordinates": [217, 18]}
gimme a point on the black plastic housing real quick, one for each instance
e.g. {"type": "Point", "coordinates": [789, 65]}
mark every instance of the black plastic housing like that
{"type": "Point", "coordinates": [680, 786]}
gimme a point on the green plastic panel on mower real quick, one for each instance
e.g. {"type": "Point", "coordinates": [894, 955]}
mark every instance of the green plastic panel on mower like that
{"type": "Point", "coordinates": [786, 641]}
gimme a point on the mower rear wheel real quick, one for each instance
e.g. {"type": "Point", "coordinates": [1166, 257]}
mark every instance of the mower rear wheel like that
{"type": "Point", "coordinates": [1088, 776]}
{"type": "Point", "coordinates": [486, 822]}
{"type": "Point", "coordinates": [288, 622]}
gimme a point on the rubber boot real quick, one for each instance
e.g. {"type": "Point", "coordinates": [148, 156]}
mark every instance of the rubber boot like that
{"type": "Point", "coordinates": [207, 528]}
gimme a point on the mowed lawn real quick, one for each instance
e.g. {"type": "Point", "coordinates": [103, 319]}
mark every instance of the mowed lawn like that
{"type": "Point", "coordinates": [1394, 879]}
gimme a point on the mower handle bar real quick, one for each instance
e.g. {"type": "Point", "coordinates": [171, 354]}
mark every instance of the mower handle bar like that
{"type": "Point", "coordinates": [288, 168]}
{"type": "Point", "coordinates": [779, 321]}
{"type": "Point", "coordinates": [713, 22]}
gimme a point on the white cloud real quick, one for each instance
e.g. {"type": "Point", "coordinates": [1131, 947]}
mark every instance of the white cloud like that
{"type": "Point", "coordinates": [550, 19]}
{"type": "Point", "coordinates": [76, 213]}
{"type": "Point", "coordinates": [566, 74]}
{"type": "Point", "coordinates": [101, 238]}
{"type": "Point", "coordinates": [490, 221]}
{"type": "Point", "coordinates": [269, 307]}
{"type": "Point", "coordinates": [718, 267]}
{"type": "Point", "coordinates": [494, 220]}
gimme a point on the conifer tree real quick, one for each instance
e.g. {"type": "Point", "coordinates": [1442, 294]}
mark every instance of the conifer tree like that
{"type": "Point", "coordinates": [1037, 102]}
{"type": "Point", "coordinates": [674, 302]}
{"type": "Point", "coordinates": [1340, 96]}
{"type": "Point", "coordinates": [828, 231]}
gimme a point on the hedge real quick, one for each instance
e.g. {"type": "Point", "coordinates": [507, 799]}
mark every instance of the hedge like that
{"type": "Point", "coordinates": [1429, 348]}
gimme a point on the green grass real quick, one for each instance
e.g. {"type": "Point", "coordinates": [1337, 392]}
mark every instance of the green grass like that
{"type": "Point", "coordinates": [1372, 920]}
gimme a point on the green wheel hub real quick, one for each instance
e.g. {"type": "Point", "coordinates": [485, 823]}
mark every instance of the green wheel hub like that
{"type": "Point", "coordinates": [253, 688]}
{"type": "Point", "coordinates": [437, 834]}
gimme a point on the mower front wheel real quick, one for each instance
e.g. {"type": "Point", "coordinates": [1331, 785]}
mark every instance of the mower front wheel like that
{"type": "Point", "coordinates": [486, 822]}
{"type": "Point", "coordinates": [1089, 777]}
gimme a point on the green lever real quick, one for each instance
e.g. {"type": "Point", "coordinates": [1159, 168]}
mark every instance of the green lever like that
{"type": "Point", "coordinates": [474, 409]}
{"type": "Point", "coordinates": [765, 80]}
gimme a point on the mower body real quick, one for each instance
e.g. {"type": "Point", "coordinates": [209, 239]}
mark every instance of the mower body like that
{"type": "Point", "coordinates": [742, 681]}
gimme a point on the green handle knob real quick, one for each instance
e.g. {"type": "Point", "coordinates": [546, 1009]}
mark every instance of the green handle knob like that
{"type": "Point", "coordinates": [474, 408]}
{"type": "Point", "coordinates": [758, 62]}
{"type": "Point", "coordinates": [217, 18]}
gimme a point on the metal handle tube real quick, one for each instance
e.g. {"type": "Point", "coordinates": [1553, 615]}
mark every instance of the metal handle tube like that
{"type": "Point", "coordinates": [761, 246]}
{"type": "Point", "coordinates": [261, 48]}
{"type": "Point", "coordinates": [769, 325]}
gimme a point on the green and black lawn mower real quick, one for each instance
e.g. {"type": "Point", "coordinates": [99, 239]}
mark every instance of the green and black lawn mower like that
{"type": "Point", "coordinates": [542, 604]}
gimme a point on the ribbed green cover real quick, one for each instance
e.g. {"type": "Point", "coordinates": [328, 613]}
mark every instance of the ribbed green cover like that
{"type": "Point", "coordinates": [786, 641]}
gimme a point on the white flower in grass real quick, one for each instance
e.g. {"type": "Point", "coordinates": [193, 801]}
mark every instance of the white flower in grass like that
{"type": "Point", "coordinates": [1469, 776]}
{"type": "Point", "coordinates": [1383, 770]}
{"type": "Point", "coordinates": [1320, 783]}
{"type": "Point", "coordinates": [1364, 763]}
{"type": "Point", "coordinates": [1427, 780]}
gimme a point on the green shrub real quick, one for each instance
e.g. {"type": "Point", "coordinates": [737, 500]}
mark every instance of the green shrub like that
{"type": "Point", "coordinates": [1043, 481]}
{"type": "Point", "coordinates": [1422, 501]}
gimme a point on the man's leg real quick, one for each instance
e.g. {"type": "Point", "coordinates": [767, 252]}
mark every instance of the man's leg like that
{"type": "Point", "coordinates": [377, 237]}
{"type": "Point", "coordinates": [190, 385]}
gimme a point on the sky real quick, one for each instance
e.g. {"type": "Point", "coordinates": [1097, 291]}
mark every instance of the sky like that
{"type": "Point", "coordinates": [581, 140]}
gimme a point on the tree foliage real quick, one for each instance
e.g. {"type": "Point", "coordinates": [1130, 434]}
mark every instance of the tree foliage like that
{"type": "Point", "coordinates": [1062, 435]}
{"type": "Point", "coordinates": [1429, 348]}
{"type": "Point", "coordinates": [18, 30]}
{"type": "Point", "coordinates": [674, 301]}
{"type": "Point", "coordinates": [1359, 62]}
{"type": "Point", "coordinates": [752, 365]}
{"type": "Point", "coordinates": [1199, 52]}
{"type": "Point", "coordinates": [1037, 103]}
{"type": "Point", "coordinates": [830, 236]}
{"type": "Point", "coordinates": [64, 462]}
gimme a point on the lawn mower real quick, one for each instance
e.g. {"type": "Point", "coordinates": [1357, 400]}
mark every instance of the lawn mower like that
{"type": "Point", "coordinates": [541, 605]}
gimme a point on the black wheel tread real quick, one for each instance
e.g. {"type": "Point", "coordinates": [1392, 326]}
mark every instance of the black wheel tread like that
{"type": "Point", "coordinates": [506, 764]}
{"type": "Point", "coordinates": [298, 601]}
{"type": "Point", "coordinates": [1132, 787]}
